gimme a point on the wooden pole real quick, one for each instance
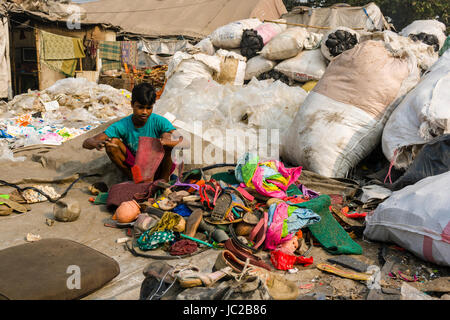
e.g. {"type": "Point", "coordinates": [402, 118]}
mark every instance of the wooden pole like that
{"type": "Point", "coordinates": [305, 25]}
{"type": "Point", "coordinates": [12, 54]}
{"type": "Point", "coordinates": [38, 58]}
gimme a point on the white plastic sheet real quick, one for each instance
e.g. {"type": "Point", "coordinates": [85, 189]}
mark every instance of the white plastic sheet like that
{"type": "Point", "coordinates": [258, 105]}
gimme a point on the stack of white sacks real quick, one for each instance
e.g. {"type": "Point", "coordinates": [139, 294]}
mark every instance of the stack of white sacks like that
{"type": "Point", "coordinates": [292, 51]}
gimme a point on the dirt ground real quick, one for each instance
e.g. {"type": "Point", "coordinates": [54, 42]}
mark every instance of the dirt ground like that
{"type": "Point", "coordinates": [89, 230]}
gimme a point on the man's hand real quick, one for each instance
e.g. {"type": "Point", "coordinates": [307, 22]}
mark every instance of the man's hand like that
{"type": "Point", "coordinates": [99, 142]}
{"type": "Point", "coordinates": [167, 141]}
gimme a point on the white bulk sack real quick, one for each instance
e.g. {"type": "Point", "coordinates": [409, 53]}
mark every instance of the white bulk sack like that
{"type": "Point", "coordinates": [258, 65]}
{"type": "Point", "coordinates": [286, 44]}
{"type": "Point", "coordinates": [184, 68]}
{"type": "Point", "coordinates": [421, 116]}
{"type": "Point", "coordinates": [232, 68]}
{"type": "Point", "coordinates": [325, 51]}
{"type": "Point", "coordinates": [206, 46]}
{"type": "Point", "coordinates": [342, 118]}
{"type": "Point", "coordinates": [306, 66]}
{"type": "Point", "coordinates": [433, 27]}
{"type": "Point", "coordinates": [268, 30]}
{"type": "Point", "coordinates": [230, 35]}
{"type": "Point", "coordinates": [416, 218]}
{"type": "Point", "coordinates": [398, 44]}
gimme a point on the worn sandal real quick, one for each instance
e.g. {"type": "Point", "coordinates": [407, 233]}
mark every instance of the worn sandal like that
{"type": "Point", "coordinates": [14, 205]}
{"type": "Point", "coordinates": [190, 278]}
{"type": "Point", "coordinates": [5, 210]}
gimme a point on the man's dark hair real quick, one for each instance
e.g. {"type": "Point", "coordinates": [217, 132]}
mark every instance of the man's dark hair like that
{"type": "Point", "coordinates": [144, 93]}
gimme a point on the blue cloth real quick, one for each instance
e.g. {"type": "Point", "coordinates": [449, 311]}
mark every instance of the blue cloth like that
{"type": "Point", "coordinates": [125, 130]}
{"type": "Point", "coordinates": [3, 134]}
{"type": "Point", "coordinates": [182, 210]}
{"type": "Point", "coordinates": [270, 213]}
{"type": "Point", "coordinates": [301, 218]}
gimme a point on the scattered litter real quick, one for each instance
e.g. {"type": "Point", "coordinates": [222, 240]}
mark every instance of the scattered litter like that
{"type": "Point", "coordinates": [32, 196]}
{"type": "Point", "coordinates": [123, 240]}
{"type": "Point", "coordinates": [33, 237]}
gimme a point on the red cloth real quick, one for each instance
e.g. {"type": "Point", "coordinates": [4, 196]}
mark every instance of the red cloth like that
{"type": "Point", "coordinates": [284, 261]}
{"type": "Point", "coordinates": [355, 215]}
{"type": "Point", "coordinates": [183, 247]}
{"type": "Point", "coordinates": [295, 199]}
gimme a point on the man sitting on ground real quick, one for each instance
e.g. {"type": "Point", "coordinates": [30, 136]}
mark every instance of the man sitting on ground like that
{"type": "Point", "coordinates": [122, 137]}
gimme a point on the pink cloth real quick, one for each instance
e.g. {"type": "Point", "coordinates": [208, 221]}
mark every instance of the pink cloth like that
{"type": "Point", "coordinates": [292, 173]}
{"type": "Point", "coordinates": [273, 235]}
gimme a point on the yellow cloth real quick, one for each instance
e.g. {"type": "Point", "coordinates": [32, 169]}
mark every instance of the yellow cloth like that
{"type": "Point", "coordinates": [61, 53]}
{"type": "Point", "coordinates": [168, 221]}
{"type": "Point", "coordinates": [308, 86]}
{"type": "Point", "coordinates": [61, 48]}
{"type": "Point", "coordinates": [65, 66]}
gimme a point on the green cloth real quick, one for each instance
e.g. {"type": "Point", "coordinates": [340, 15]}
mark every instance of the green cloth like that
{"type": "Point", "coordinates": [101, 198]}
{"type": "Point", "coordinates": [285, 231]}
{"type": "Point", "coordinates": [293, 190]}
{"type": "Point", "coordinates": [445, 47]}
{"type": "Point", "coordinates": [4, 196]}
{"type": "Point", "coordinates": [248, 168]}
{"type": "Point", "coordinates": [111, 65]}
{"type": "Point", "coordinates": [110, 50]}
{"type": "Point", "coordinates": [110, 53]}
{"type": "Point", "coordinates": [226, 177]}
{"type": "Point", "coordinates": [328, 231]}
{"type": "Point", "coordinates": [152, 241]}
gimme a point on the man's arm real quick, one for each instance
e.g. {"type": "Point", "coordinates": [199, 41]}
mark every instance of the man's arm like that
{"type": "Point", "coordinates": [169, 140]}
{"type": "Point", "coordinates": [97, 142]}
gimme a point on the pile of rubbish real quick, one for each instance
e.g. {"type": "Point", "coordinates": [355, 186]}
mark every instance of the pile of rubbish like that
{"type": "Point", "coordinates": [70, 107]}
{"type": "Point", "coordinates": [345, 93]}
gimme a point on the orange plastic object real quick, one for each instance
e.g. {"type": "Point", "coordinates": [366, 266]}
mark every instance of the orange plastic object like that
{"type": "Point", "coordinates": [128, 211]}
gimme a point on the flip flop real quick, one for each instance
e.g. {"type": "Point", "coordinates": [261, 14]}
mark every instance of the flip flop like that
{"type": "Point", "coordinates": [5, 210]}
{"type": "Point", "coordinates": [14, 205]}
{"type": "Point", "coordinates": [223, 205]}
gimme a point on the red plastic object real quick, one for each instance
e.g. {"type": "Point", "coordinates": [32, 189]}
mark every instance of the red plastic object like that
{"type": "Point", "coordinates": [148, 158]}
{"type": "Point", "coordinates": [284, 261]}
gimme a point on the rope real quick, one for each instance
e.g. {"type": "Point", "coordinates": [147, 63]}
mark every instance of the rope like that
{"type": "Point", "coordinates": [305, 25]}
{"type": "Point", "coordinates": [43, 193]}
{"type": "Point", "coordinates": [390, 167]}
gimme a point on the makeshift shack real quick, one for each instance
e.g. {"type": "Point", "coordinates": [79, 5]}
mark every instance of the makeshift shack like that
{"type": "Point", "coordinates": [29, 66]}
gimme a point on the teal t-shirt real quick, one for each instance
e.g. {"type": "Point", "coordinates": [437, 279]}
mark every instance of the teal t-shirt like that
{"type": "Point", "coordinates": [125, 130]}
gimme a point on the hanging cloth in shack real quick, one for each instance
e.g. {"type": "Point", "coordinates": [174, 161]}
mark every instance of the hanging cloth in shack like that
{"type": "Point", "coordinates": [159, 52]}
{"type": "Point", "coordinates": [110, 53]}
{"type": "Point", "coordinates": [60, 53]}
{"type": "Point", "coordinates": [129, 52]}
